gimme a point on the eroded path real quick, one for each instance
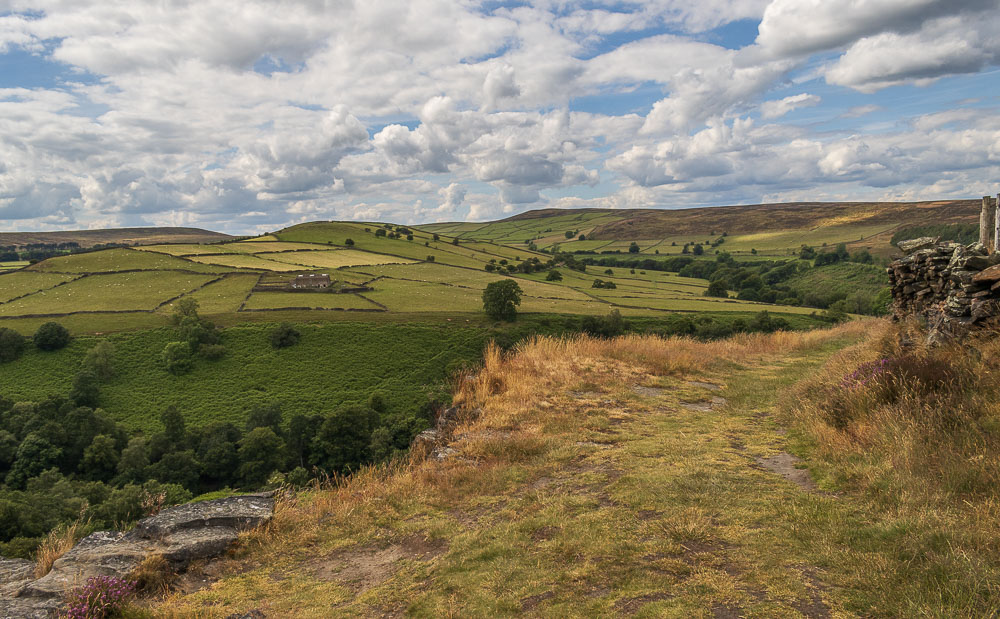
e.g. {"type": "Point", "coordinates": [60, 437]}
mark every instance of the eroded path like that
{"type": "Point", "coordinates": [634, 495]}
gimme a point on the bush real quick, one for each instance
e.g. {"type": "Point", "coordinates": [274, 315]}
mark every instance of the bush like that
{"type": "Point", "coordinates": [85, 390]}
{"type": "Point", "coordinates": [500, 299]}
{"type": "Point", "coordinates": [284, 335]}
{"type": "Point", "coordinates": [633, 248]}
{"type": "Point", "coordinates": [177, 357]}
{"type": "Point", "coordinates": [717, 289]}
{"type": "Point", "coordinates": [430, 258]}
{"type": "Point", "coordinates": [51, 336]}
{"type": "Point", "coordinates": [100, 360]}
{"type": "Point", "coordinates": [349, 242]}
{"type": "Point", "coordinates": [608, 326]}
{"type": "Point", "coordinates": [11, 344]}
{"type": "Point", "coordinates": [212, 352]}
{"type": "Point", "coordinates": [554, 276]}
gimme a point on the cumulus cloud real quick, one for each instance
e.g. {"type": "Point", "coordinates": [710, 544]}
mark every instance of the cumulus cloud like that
{"type": "Point", "coordinates": [166, 113]}
{"type": "Point", "coordinates": [780, 107]}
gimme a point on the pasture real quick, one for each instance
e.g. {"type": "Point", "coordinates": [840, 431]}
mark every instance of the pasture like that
{"type": "Point", "coordinates": [407, 282]}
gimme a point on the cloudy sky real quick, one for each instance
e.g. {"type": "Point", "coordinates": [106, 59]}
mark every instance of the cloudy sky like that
{"type": "Point", "coordinates": [246, 115]}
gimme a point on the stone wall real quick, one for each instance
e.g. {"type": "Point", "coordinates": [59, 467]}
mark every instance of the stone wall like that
{"type": "Point", "coordinates": [954, 287]}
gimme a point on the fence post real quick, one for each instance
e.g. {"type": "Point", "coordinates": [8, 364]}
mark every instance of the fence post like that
{"type": "Point", "coordinates": [996, 226]}
{"type": "Point", "coordinates": [985, 225]}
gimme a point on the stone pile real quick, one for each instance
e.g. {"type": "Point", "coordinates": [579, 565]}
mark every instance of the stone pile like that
{"type": "Point", "coordinates": [952, 286]}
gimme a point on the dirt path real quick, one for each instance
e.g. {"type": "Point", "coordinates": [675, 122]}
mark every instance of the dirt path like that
{"type": "Point", "coordinates": [639, 496]}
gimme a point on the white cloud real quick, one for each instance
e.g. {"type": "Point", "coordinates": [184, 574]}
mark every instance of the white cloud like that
{"type": "Point", "coordinates": [780, 107]}
{"type": "Point", "coordinates": [255, 114]}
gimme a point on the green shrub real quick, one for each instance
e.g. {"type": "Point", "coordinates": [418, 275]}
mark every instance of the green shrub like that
{"type": "Point", "coordinates": [51, 336]}
{"type": "Point", "coordinates": [11, 344]}
{"type": "Point", "coordinates": [284, 335]}
{"type": "Point", "coordinates": [177, 357]}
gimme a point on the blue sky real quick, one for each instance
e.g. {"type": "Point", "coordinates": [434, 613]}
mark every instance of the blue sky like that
{"type": "Point", "coordinates": [133, 112]}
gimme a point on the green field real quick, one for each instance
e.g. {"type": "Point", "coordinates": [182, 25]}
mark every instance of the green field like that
{"type": "Point", "coordinates": [333, 364]}
{"type": "Point", "coordinates": [141, 290]}
{"type": "Point", "coordinates": [407, 282]}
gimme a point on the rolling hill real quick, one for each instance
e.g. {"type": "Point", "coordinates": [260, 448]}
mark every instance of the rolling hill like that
{"type": "Point", "coordinates": [128, 236]}
{"type": "Point", "coordinates": [770, 229]}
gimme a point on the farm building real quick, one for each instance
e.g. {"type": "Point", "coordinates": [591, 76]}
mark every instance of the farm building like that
{"type": "Point", "coordinates": [312, 280]}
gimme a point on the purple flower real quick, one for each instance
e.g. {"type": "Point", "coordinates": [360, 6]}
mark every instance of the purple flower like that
{"type": "Point", "coordinates": [866, 374]}
{"type": "Point", "coordinates": [101, 596]}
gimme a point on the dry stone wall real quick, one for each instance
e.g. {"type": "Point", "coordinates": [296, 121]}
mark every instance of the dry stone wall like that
{"type": "Point", "coordinates": [954, 287]}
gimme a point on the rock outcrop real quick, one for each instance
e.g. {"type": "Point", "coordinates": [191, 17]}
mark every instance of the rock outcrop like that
{"type": "Point", "coordinates": [954, 287]}
{"type": "Point", "coordinates": [179, 534]}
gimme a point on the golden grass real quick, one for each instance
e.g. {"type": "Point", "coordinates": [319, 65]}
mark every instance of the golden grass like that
{"type": "Point", "coordinates": [58, 542]}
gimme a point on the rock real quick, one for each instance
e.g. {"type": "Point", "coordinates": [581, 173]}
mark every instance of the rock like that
{"type": "Point", "coordinates": [989, 275]}
{"type": "Point", "coordinates": [977, 263]}
{"type": "Point", "coordinates": [924, 242]}
{"type": "Point", "coordinates": [179, 534]}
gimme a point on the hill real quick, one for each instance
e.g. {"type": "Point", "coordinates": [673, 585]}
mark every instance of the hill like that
{"type": "Point", "coordinates": [126, 236]}
{"type": "Point", "coordinates": [648, 477]}
{"type": "Point", "coordinates": [381, 273]}
{"type": "Point", "coordinates": [770, 229]}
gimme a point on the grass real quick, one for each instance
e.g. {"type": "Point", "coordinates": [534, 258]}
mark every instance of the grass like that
{"type": "Point", "coordinates": [333, 259]}
{"type": "Point", "coordinates": [111, 260]}
{"type": "Point", "coordinates": [842, 277]}
{"type": "Point", "coordinates": [143, 290]}
{"type": "Point", "coordinates": [584, 488]}
{"type": "Point", "coordinates": [334, 363]}
{"type": "Point", "coordinates": [314, 300]}
{"type": "Point", "coordinates": [244, 261]}
{"type": "Point", "coordinates": [24, 282]}
{"type": "Point", "coordinates": [221, 297]}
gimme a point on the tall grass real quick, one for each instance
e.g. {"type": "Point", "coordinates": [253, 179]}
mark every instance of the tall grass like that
{"type": "Point", "coordinates": [58, 542]}
{"type": "Point", "coordinates": [916, 430]}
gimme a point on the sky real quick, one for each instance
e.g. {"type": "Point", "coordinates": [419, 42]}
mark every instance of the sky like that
{"type": "Point", "coordinates": [247, 116]}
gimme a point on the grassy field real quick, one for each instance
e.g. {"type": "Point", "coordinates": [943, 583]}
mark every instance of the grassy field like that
{"type": "Point", "coordinates": [128, 236]}
{"type": "Point", "coordinates": [334, 363]}
{"type": "Point", "coordinates": [142, 290]}
{"type": "Point", "coordinates": [772, 230]}
{"type": "Point", "coordinates": [405, 279]}
{"type": "Point", "coordinates": [314, 300]}
{"type": "Point", "coordinates": [634, 477]}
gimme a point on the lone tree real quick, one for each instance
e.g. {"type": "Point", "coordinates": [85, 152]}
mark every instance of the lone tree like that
{"type": "Point", "coordinates": [500, 299]}
{"type": "Point", "coordinates": [633, 248]}
{"type": "Point", "coordinates": [11, 344]}
{"type": "Point", "coordinates": [51, 336]}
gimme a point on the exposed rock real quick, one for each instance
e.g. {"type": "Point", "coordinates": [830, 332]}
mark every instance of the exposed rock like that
{"type": "Point", "coordinates": [179, 534]}
{"type": "Point", "coordinates": [924, 242]}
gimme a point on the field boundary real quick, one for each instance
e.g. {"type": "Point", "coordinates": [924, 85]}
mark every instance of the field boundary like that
{"type": "Point", "coordinates": [192, 291]}
{"type": "Point", "coordinates": [28, 294]}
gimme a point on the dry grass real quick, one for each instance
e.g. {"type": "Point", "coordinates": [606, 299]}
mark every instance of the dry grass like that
{"type": "Point", "coordinates": [916, 431]}
{"type": "Point", "coordinates": [58, 542]}
{"type": "Point", "coordinates": [582, 486]}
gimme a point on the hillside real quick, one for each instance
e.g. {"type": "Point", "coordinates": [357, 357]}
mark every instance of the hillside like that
{"type": "Point", "coordinates": [415, 275]}
{"type": "Point", "coordinates": [127, 236]}
{"type": "Point", "coordinates": [770, 229]}
{"type": "Point", "coordinates": [649, 477]}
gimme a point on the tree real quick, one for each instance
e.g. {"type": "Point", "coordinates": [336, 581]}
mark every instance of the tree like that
{"type": "Point", "coordinates": [379, 233]}
{"type": "Point", "coordinates": [100, 360]}
{"type": "Point", "coordinates": [430, 258]}
{"type": "Point", "coordinates": [437, 237]}
{"type": "Point", "coordinates": [174, 426]}
{"type": "Point", "coordinates": [698, 250]}
{"type": "Point", "coordinates": [501, 298]}
{"type": "Point", "coordinates": [134, 460]}
{"type": "Point", "coordinates": [349, 242]}
{"type": "Point", "coordinates": [177, 357]}
{"type": "Point", "coordinates": [582, 237]}
{"type": "Point", "coordinates": [342, 441]}
{"type": "Point", "coordinates": [633, 248]}
{"type": "Point", "coordinates": [284, 335]}
{"type": "Point", "coordinates": [554, 276]}
{"type": "Point", "coordinates": [717, 289]}
{"type": "Point", "coordinates": [34, 455]}
{"type": "Point", "coordinates": [86, 391]}
{"type": "Point", "coordinates": [51, 336]}
{"type": "Point", "coordinates": [100, 459]}
{"type": "Point", "coordinates": [11, 344]}
{"type": "Point", "coordinates": [186, 307]}
{"type": "Point", "coordinates": [265, 416]}
{"type": "Point", "coordinates": [261, 453]}
{"type": "Point", "coordinates": [569, 234]}
{"type": "Point", "coordinates": [178, 467]}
